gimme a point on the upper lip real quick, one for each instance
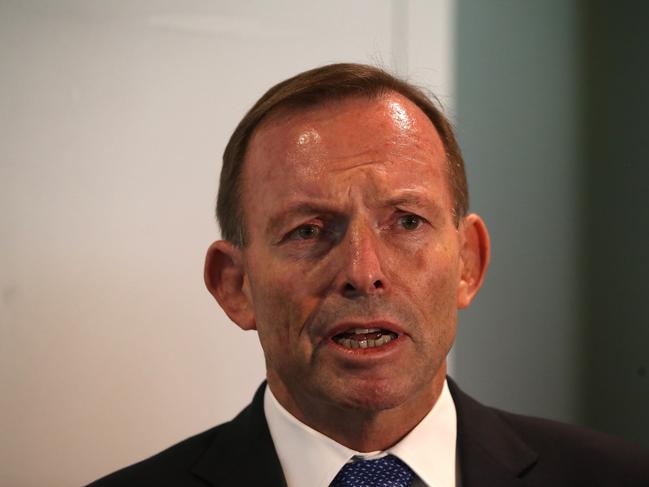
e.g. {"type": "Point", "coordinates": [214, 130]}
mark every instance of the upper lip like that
{"type": "Point", "coordinates": [343, 326]}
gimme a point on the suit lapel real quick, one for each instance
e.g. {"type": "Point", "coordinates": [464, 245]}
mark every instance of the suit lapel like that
{"type": "Point", "coordinates": [489, 450]}
{"type": "Point", "coordinates": [243, 452]}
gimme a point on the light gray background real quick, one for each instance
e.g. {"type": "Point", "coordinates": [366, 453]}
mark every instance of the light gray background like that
{"type": "Point", "coordinates": [113, 118]}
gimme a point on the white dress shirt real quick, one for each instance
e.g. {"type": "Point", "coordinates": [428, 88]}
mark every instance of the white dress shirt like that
{"type": "Point", "coordinates": [311, 459]}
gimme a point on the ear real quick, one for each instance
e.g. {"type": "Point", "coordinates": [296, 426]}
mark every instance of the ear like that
{"type": "Point", "coordinates": [474, 258]}
{"type": "Point", "coordinates": [226, 280]}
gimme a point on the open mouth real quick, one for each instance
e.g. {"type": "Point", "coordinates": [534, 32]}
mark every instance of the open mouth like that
{"type": "Point", "coordinates": [364, 338]}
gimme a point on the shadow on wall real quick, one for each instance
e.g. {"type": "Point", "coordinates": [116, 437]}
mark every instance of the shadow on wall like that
{"type": "Point", "coordinates": [552, 105]}
{"type": "Point", "coordinates": [615, 388]}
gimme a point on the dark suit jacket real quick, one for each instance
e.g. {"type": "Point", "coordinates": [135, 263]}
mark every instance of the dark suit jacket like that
{"type": "Point", "coordinates": [495, 449]}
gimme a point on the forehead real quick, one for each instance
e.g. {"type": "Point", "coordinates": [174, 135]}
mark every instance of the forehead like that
{"type": "Point", "coordinates": [322, 151]}
{"type": "Point", "coordinates": [339, 125]}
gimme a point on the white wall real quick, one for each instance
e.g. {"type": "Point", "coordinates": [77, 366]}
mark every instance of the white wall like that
{"type": "Point", "coordinates": [113, 117]}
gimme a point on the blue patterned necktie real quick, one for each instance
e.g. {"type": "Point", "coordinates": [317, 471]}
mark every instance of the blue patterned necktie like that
{"type": "Point", "coordinates": [386, 471]}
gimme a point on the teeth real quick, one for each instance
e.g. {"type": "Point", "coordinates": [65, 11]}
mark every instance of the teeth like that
{"type": "Point", "coordinates": [368, 343]}
{"type": "Point", "coordinates": [364, 331]}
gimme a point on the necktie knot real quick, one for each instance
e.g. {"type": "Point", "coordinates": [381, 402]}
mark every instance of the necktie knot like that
{"type": "Point", "coordinates": [387, 471]}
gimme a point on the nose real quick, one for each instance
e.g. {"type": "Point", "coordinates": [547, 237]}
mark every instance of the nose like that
{"type": "Point", "coordinates": [362, 273]}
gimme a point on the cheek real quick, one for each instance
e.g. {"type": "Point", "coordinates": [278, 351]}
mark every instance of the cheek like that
{"type": "Point", "coordinates": [431, 278]}
{"type": "Point", "coordinates": [436, 264]}
{"type": "Point", "coordinates": [280, 301]}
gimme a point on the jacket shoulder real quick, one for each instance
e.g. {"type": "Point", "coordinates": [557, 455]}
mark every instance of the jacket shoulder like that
{"type": "Point", "coordinates": [172, 466]}
{"type": "Point", "coordinates": [512, 449]}
{"type": "Point", "coordinates": [219, 456]}
{"type": "Point", "coordinates": [580, 454]}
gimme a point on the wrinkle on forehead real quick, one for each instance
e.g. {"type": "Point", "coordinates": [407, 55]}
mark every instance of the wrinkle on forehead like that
{"type": "Point", "coordinates": [352, 162]}
{"type": "Point", "coordinates": [315, 157]}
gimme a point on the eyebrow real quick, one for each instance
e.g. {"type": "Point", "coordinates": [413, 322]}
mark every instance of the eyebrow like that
{"type": "Point", "coordinates": [413, 199]}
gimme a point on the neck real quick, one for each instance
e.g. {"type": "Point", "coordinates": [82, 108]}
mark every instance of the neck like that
{"type": "Point", "coordinates": [358, 428]}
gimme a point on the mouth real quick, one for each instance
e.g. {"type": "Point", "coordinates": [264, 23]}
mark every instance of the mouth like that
{"type": "Point", "coordinates": [357, 338]}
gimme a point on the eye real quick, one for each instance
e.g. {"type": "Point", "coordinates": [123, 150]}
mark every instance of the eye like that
{"type": "Point", "coordinates": [306, 232]}
{"type": "Point", "coordinates": [410, 222]}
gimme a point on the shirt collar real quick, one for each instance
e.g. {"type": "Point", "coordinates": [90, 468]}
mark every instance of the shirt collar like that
{"type": "Point", "coordinates": [311, 458]}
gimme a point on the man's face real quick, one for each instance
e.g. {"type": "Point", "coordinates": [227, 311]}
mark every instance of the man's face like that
{"type": "Point", "coordinates": [353, 265]}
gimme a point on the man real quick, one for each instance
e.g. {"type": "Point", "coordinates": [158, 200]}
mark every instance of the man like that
{"type": "Point", "coordinates": [349, 248]}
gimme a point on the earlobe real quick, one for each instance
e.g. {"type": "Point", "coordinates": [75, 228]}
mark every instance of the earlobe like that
{"type": "Point", "coordinates": [225, 279]}
{"type": "Point", "coordinates": [474, 258]}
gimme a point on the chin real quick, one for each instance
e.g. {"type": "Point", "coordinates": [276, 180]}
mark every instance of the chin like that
{"type": "Point", "coordinates": [373, 395]}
